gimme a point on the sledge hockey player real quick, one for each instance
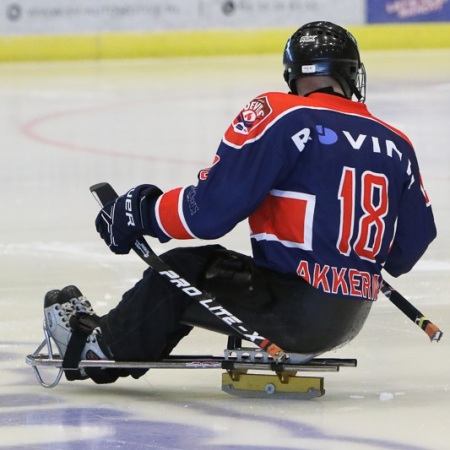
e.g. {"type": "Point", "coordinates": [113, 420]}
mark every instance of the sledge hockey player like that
{"type": "Point", "coordinates": [332, 194]}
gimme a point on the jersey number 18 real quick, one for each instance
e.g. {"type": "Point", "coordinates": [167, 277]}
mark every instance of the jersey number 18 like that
{"type": "Point", "coordinates": [374, 203]}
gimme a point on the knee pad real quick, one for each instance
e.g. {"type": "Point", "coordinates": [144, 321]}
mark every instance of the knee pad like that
{"type": "Point", "coordinates": [233, 278]}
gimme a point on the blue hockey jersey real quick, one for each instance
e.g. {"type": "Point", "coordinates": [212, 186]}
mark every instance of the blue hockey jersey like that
{"type": "Point", "coordinates": [331, 193]}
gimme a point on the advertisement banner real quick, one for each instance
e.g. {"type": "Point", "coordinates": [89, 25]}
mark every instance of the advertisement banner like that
{"type": "Point", "coordinates": [384, 11]}
{"type": "Point", "coordinates": [28, 17]}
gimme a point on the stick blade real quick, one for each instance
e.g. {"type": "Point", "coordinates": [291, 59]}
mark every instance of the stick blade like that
{"type": "Point", "coordinates": [433, 332]}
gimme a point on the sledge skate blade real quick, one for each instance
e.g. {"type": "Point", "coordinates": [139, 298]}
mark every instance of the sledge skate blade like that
{"type": "Point", "coordinates": [263, 386]}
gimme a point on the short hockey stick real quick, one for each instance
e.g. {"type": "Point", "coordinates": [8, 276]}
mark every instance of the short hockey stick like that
{"type": "Point", "coordinates": [411, 312]}
{"type": "Point", "coordinates": [104, 193]}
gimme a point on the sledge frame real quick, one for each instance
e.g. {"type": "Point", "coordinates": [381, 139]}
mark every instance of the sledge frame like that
{"type": "Point", "coordinates": [239, 364]}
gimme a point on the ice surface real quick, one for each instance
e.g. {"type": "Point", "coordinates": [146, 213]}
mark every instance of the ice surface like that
{"type": "Point", "coordinates": [66, 126]}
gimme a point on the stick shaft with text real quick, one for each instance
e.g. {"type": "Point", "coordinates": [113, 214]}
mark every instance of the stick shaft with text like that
{"type": "Point", "coordinates": [104, 193]}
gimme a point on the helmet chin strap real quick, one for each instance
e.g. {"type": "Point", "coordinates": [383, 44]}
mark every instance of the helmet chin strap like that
{"type": "Point", "coordinates": [352, 85]}
{"type": "Point", "coordinates": [354, 89]}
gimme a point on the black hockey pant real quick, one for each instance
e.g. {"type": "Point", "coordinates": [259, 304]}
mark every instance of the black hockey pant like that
{"type": "Point", "coordinates": [147, 323]}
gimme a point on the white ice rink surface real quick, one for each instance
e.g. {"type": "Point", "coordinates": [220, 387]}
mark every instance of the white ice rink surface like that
{"type": "Point", "coordinates": [66, 126]}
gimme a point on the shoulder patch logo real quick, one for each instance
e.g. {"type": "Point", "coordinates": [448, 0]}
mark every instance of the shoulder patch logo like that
{"type": "Point", "coordinates": [252, 115]}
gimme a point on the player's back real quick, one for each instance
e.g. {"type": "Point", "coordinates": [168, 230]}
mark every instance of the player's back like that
{"type": "Point", "coordinates": [332, 217]}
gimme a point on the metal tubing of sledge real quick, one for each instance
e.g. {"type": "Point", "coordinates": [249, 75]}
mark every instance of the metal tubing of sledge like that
{"type": "Point", "coordinates": [236, 361]}
{"type": "Point", "coordinates": [38, 360]}
{"type": "Point", "coordinates": [52, 361]}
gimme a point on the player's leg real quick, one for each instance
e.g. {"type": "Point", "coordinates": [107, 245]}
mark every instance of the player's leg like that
{"type": "Point", "coordinates": [144, 326]}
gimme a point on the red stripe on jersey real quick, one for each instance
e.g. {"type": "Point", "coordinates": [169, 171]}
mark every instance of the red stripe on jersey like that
{"type": "Point", "coordinates": [262, 112]}
{"type": "Point", "coordinates": [169, 215]}
{"type": "Point", "coordinates": [284, 217]}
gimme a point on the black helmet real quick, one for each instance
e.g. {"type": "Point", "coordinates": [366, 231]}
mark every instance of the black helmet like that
{"type": "Point", "coordinates": [323, 48]}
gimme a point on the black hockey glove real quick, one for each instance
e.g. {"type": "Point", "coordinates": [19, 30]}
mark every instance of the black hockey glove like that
{"type": "Point", "coordinates": [121, 221]}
